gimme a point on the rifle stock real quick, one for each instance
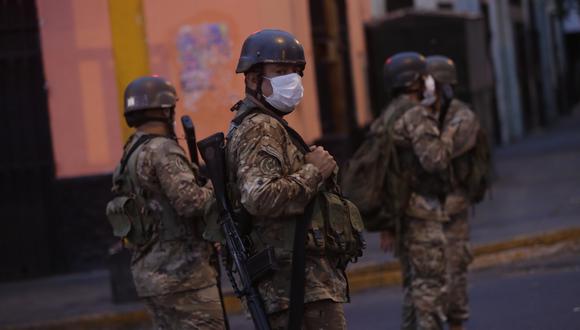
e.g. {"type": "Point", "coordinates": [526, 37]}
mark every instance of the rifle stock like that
{"type": "Point", "coordinates": [213, 153]}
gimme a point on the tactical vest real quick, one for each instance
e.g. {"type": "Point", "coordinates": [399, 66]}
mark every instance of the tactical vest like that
{"type": "Point", "coordinates": [422, 182]}
{"type": "Point", "coordinates": [137, 213]}
{"type": "Point", "coordinates": [334, 223]}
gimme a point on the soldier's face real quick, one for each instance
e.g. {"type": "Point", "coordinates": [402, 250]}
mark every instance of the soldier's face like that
{"type": "Point", "coordinates": [274, 70]}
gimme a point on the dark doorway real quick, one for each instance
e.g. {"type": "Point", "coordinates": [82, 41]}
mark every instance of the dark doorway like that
{"type": "Point", "coordinates": [333, 70]}
{"type": "Point", "coordinates": [26, 165]}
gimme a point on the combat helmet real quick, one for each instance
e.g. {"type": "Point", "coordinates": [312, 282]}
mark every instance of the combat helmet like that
{"type": "Point", "coordinates": [149, 92]}
{"type": "Point", "coordinates": [270, 46]}
{"type": "Point", "coordinates": [442, 69]}
{"type": "Point", "coordinates": [403, 69]}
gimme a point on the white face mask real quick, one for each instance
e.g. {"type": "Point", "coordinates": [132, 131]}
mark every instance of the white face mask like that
{"type": "Point", "coordinates": [287, 92]}
{"type": "Point", "coordinates": [429, 96]}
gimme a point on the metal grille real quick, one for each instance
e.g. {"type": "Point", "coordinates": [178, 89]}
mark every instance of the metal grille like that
{"type": "Point", "coordinates": [26, 164]}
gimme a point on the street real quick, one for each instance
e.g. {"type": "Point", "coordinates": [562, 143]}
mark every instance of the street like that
{"type": "Point", "coordinates": [532, 295]}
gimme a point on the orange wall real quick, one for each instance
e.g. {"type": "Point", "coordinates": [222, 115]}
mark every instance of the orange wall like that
{"type": "Point", "coordinates": [79, 68]}
{"type": "Point", "coordinates": [219, 88]}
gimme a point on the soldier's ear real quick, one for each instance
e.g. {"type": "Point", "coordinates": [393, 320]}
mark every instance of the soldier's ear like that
{"type": "Point", "coordinates": [251, 79]}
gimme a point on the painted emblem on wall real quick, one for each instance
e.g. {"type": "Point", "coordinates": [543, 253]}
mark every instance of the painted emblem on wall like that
{"type": "Point", "coordinates": [203, 52]}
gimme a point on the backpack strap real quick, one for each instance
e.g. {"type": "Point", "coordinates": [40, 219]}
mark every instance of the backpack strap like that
{"type": "Point", "coordinates": [142, 139]}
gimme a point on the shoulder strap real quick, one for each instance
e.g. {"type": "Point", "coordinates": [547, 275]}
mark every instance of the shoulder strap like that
{"type": "Point", "coordinates": [142, 139]}
{"type": "Point", "coordinates": [296, 138]}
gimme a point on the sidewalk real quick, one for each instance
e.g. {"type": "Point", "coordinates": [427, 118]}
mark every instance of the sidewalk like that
{"type": "Point", "coordinates": [535, 201]}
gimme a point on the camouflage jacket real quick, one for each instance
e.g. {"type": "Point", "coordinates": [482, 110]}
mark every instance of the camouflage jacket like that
{"type": "Point", "coordinates": [393, 111]}
{"type": "Point", "coordinates": [270, 179]}
{"type": "Point", "coordinates": [418, 129]}
{"type": "Point", "coordinates": [460, 115]}
{"type": "Point", "coordinates": [161, 267]}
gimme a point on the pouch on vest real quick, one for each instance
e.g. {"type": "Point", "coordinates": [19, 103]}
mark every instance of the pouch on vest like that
{"type": "Point", "coordinates": [345, 226]}
{"type": "Point", "coordinates": [126, 220]}
{"type": "Point", "coordinates": [119, 215]}
{"type": "Point", "coordinates": [336, 227]}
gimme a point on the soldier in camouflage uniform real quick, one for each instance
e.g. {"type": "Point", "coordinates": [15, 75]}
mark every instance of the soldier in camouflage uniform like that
{"type": "Point", "coordinates": [456, 230]}
{"type": "Point", "coordinates": [424, 151]}
{"type": "Point", "coordinates": [403, 76]}
{"type": "Point", "coordinates": [274, 180]}
{"type": "Point", "coordinates": [170, 261]}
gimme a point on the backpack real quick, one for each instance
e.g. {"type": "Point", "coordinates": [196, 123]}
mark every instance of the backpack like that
{"type": "Point", "coordinates": [474, 169]}
{"type": "Point", "coordinates": [373, 179]}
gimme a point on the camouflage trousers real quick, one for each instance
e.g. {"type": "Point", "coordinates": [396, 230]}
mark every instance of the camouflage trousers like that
{"type": "Point", "coordinates": [435, 260]}
{"type": "Point", "coordinates": [458, 255]}
{"type": "Point", "coordinates": [318, 315]}
{"type": "Point", "coordinates": [196, 309]}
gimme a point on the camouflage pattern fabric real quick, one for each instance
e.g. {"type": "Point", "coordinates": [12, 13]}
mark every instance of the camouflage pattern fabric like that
{"type": "Point", "coordinates": [423, 264]}
{"type": "Point", "coordinates": [418, 128]}
{"type": "Point", "coordinates": [458, 255]}
{"type": "Point", "coordinates": [464, 139]}
{"type": "Point", "coordinates": [393, 111]}
{"type": "Point", "coordinates": [319, 315]}
{"type": "Point", "coordinates": [271, 180]}
{"type": "Point", "coordinates": [198, 309]}
{"type": "Point", "coordinates": [166, 267]}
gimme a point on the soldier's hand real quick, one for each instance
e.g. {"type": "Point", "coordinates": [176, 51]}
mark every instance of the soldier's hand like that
{"type": "Point", "coordinates": [387, 241]}
{"type": "Point", "coordinates": [322, 160]}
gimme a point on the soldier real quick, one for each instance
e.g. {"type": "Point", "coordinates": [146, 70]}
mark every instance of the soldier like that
{"type": "Point", "coordinates": [403, 76]}
{"type": "Point", "coordinates": [276, 179]}
{"type": "Point", "coordinates": [424, 153]}
{"type": "Point", "coordinates": [463, 192]}
{"type": "Point", "coordinates": [156, 187]}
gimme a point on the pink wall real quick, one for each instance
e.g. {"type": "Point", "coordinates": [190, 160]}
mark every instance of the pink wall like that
{"type": "Point", "coordinates": [76, 46]}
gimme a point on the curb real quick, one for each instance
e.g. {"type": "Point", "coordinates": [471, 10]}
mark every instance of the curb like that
{"type": "Point", "coordinates": [372, 275]}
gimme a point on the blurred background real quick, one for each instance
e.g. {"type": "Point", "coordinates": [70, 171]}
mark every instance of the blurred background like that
{"type": "Point", "coordinates": [65, 63]}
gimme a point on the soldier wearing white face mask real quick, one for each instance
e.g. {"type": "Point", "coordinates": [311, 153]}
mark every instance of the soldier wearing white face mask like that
{"type": "Point", "coordinates": [276, 180]}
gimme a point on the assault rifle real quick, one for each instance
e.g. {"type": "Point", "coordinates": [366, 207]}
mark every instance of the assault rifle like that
{"type": "Point", "coordinates": [189, 131]}
{"type": "Point", "coordinates": [245, 269]}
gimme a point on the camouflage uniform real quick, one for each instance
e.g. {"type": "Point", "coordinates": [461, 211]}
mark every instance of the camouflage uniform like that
{"type": "Point", "coordinates": [395, 110]}
{"type": "Point", "coordinates": [458, 251]}
{"type": "Point", "coordinates": [271, 180]}
{"type": "Point", "coordinates": [174, 275]}
{"type": "Point", "coordinates": [423, 256]}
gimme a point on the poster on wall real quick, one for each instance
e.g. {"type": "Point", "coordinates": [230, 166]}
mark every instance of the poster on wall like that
{"type": "Point", "coordinates": [204, 53]}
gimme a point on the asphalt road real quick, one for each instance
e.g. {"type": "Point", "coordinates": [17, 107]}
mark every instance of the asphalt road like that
{"type": "Point", "coordinates": [533, 295]}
